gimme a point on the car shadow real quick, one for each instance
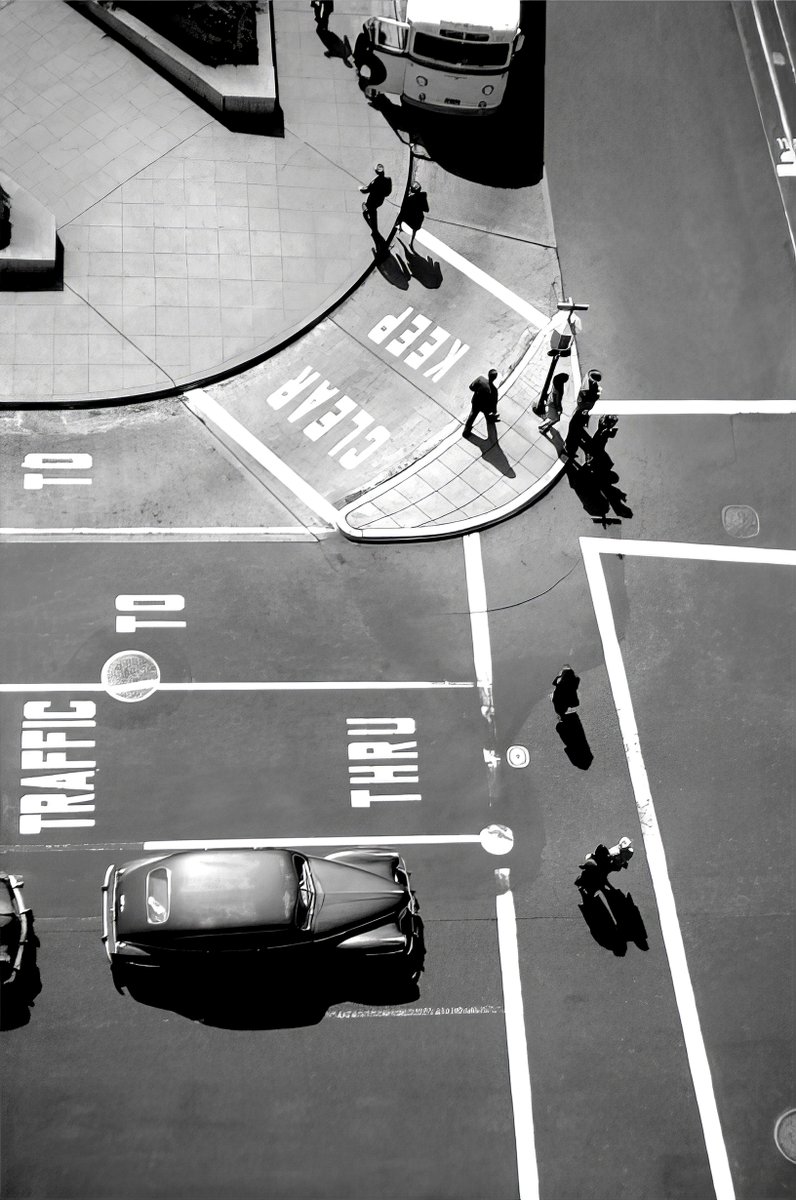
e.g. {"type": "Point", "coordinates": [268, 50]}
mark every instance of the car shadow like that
{"type": "Point", "coordinates": [19, 994]}
{"type": "Point", "coordinates": [276, 990]}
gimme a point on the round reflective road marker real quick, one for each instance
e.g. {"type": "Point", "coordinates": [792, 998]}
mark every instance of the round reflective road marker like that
{"type": "Point", "coordinates": [130, 676]}
{"type": "Point", "coordinates": [740, 520]}
{"type": "Point", "coordinates": [785, 1134]}
{"type": "Point", "coordinates": [497, 839]}
{"type": "Point", "coordinates": [518, 756]}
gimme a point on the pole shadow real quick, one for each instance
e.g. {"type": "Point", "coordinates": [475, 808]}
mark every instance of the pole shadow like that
{"type": "Point", "coordinates": [576, 745]}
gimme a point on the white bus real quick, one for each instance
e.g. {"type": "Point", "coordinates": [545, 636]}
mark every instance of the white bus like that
{"type": "Point", "coordinates": [447, 55]}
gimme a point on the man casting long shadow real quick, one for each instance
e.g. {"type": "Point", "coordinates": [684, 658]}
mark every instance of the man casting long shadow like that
{"type": "Point", "coordinates": [613, 919]}
{"type": "Point", "coordinates": [491, 451]}
{"type": "Point", "coordinates": [390, 266]}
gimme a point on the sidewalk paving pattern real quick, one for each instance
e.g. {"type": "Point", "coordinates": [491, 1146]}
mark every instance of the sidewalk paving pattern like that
{"type": "Point", "coordinates": [188, 246]}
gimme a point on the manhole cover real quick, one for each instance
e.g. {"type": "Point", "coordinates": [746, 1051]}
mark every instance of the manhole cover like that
{"type": "Point", "coordinates": [518, 756]}
{"type": "Point", "coordinates": [130, 676]}
{"type": "Point", "coordinates": [497, 839]}
{"type": "Point", "coordinates": [785, 1134]}
{"type": "Point", "coordinates": [740, 520]}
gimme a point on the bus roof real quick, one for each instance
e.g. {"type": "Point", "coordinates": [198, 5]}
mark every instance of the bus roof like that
{"type": "Point", "coordinates": [487, 14]}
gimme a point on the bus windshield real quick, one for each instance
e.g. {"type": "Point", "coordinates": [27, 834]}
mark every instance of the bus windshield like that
{"type": "Point", "coordinates": [455, 53]}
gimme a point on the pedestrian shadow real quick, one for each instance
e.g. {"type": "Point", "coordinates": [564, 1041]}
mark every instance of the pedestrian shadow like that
{"type": "Point", "coordinates": [614, 920]}
{"type": "Point", "coordinates": [492, 453]}
{"type": "Point", "coordinates": [391, 268]}
{"type": "Point", "coordinates": [576, 746]}
{"type": "Point", "coordinates": [595, 485]}
{"type": "Point", "coordinates": [555, 437]}
{"type": "Point", "coordinates": [334, 46]}
{"type": "Point", "coordinates": [427, 271]}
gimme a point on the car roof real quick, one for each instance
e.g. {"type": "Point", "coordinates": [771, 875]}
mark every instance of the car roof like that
{"type": "Point", "coordinates": [217, 890]}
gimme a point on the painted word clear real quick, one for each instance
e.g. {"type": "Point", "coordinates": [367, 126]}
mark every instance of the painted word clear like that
{"type": "Point", "coordinates": [326, 416]}
{"type": "Point", "coordinates": [421, 356]}
{"type": "Point", "coordinates": [388, 762]}
{"type": "Point", "coordinates": [62, 798]}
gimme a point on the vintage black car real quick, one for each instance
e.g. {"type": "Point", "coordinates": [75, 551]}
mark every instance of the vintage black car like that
{"type": "Point", "coordinates": [14, 928]}
{"type": "Point", "coordinates": [175, 908]}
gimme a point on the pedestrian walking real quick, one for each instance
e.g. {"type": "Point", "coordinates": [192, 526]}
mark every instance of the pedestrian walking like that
{"type": "Point", "coordinates": [606, 428]}
{"type": "Point", "coordinates": [554, 402]}
{"type": "Point", "coordinates": [565, 690]}
{"type": "Point", "coordinates": [323, 10]}
{"type": "Point", "coordinates": [485, 398]}
{"type": "Point", "coordinates": [590, 391]}
{"type": "Point", "coordinates": [414, 209]}
{"type": "Point", "coordinates": [597, 866]}
{"type": "Point", "coordinates": [377, 192]}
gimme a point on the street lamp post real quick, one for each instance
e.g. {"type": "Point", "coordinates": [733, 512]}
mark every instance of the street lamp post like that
{"type": "Point", "coordinates": [561, 343]}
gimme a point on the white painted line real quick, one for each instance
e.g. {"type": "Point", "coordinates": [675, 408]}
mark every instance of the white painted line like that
{"type": "Point", "coordinates": [344, 685]}
{"type": "Point", "coordinates": [211, 412]}
{"type": "Point", "coordinates": [783, 116]}
{"type": "Point", "coordinates": [693, 550]}
{"type": "Point", "coordinates": [173, 533]}
{"type": "Point", "coordinates": [516, 1044]}
{"type": "Point", "coordinates": [472, 1010]}
{"type": "Point", "coordinates": [693, 408]}
{"type": "Point", "coordinates": [533, 315]}
{"type": "Point", "coordinates": [428, 839]}
{"type": "Point", "coordinates": [482, 649]}
{"type": "Point", "coordinates": [656, 859]}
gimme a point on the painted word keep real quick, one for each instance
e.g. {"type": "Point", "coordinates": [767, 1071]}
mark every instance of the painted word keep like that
{"type": "Point", "coordinates": [388, 762]}
{"type": "Point", "coordinates": [426, 350]}
{"type": "Point", "coordinates": [326, 416]}
{"type": "Point", "coordinates": [61, 799]}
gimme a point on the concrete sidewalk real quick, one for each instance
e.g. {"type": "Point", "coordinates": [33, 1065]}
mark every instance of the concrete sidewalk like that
{"type": "Point", "coordinates": [187, 247]}
{"type": "Point", "coordinates": [191, 249]}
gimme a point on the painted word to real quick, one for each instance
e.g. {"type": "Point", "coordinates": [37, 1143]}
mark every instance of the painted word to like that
{"type": "Point", "coordinates": [36, 464]}
{"type": "Point", "coordinates": [61, 798]}
{"type": "Point", "coordinates": [131, 606]}
{"type": "Point", "coordinates": [327, 416]}
{"type": "Point", "coordinates": [436, 340]}
{"type": "Point", "coordinates": [387, 762]}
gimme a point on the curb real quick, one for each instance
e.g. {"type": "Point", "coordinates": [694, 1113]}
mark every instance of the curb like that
{"type": "Point", "coordinates": [450, 438]}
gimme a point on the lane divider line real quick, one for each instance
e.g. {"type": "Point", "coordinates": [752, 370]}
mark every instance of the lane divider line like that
{"type": "Point", "coordinates": [161, 533]}
{"type": "Point", "coordinates": [533, 315]}
{"type": "Point", "coordinates": [387, 839]}
{"type": "Point", "coordinates": [344, 685]}
{"type": "Point", "coordinates": [516, 1041]}
{"type": "Point", "coordinates": [693, 408]}
{"type": "Point", "coordinates": [450, 1010]}
{"type": "Point", "coordinates": [698, 551]}
{"type": "Point", "coordinates": [211, 413]}
{"type": "Point", "coordinates": [482, 650]}
{"type": "Point", "coordinates": [656, 860]}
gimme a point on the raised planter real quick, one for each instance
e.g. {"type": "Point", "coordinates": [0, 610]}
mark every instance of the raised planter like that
{"type": "Point", "coordinates": [32, 257]}
{"type": "Point", "coordinates": [233, 92]}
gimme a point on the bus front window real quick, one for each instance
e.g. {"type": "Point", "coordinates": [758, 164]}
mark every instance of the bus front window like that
{"type": "Point", "coordinates": [455, 53]}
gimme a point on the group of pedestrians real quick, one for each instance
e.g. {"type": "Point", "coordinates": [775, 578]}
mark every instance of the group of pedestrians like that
{"type": "Point", "coordinates": [413, 209]}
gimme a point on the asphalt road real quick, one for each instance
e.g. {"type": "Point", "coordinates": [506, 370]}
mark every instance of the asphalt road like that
{"type": "Point", "coordinates": [112, 1096]}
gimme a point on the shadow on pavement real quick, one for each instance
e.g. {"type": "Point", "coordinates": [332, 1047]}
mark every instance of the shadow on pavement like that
{"type": "Point", "coordinates": [576, 746]}
{"type": "Point", "coordinates": [492, 453]}
{"type": "Point", "coordinates": [279, 990]}
{"type": "Point", "coordinates": [18, 996]}
{"type": "Point", "coordinates": [427, 271]}
{"type": "Point", "coordinates": [613, 919]}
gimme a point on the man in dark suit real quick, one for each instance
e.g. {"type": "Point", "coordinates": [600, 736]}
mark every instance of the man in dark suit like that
{"type": "Point", "coordinates": [485, 398]}
{"type": "Point", "coordinates": [377, 192]}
